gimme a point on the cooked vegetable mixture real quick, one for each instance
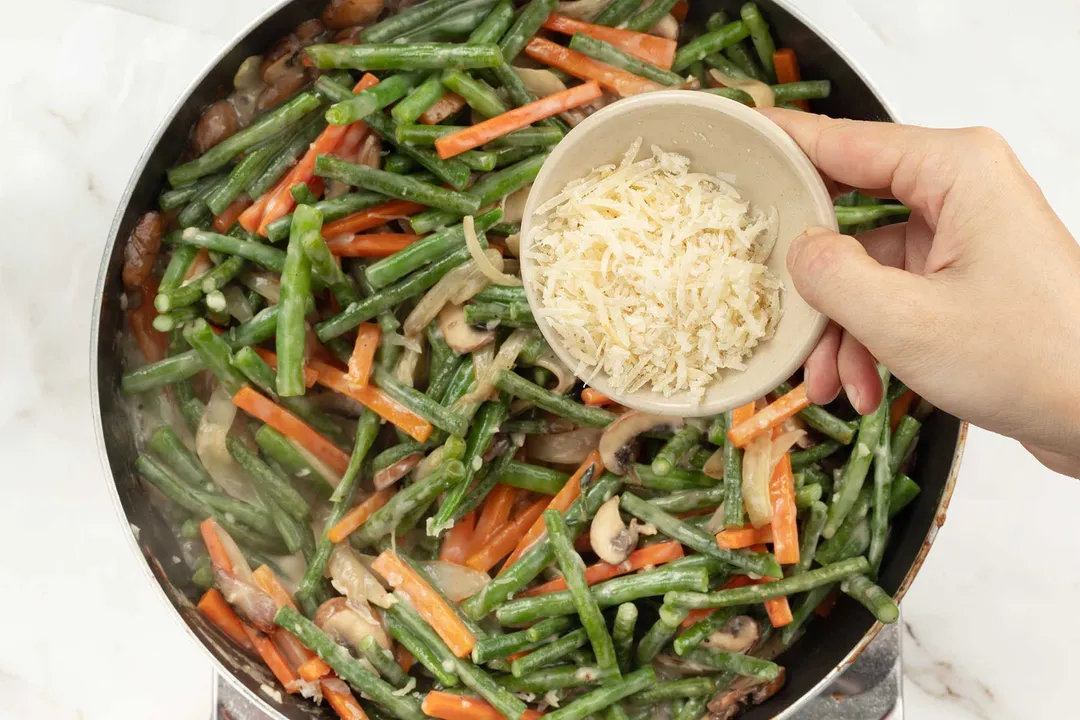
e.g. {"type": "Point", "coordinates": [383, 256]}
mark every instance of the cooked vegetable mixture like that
{"type": "Point", "coordinates": [387, 486]}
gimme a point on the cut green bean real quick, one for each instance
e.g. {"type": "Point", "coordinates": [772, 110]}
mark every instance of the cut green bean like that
{"type": "Point", "coordinates": [295, 290]}
{"type": "Point", "coordinates": [363, 103]}
{"type": "Point", "coordinates": [280, 449]}
{"type": "Point", "coordinates": [622, 634]}
{"type": "Point", "coordinates": [660, 634]}
{"type": "Point", "coordinates": [421, 404]}
{"type": "Point", "coordinates": [333, 209]}
{"type": "Point", "coordinates": [811, 534]}
{"type": "Point", "coordinates": [215, 354]}
{"type": "Point", "coordinates": [609, 694]}
{"type": "Point", "coordinates": [677, 479]}
{"type": "Point", "coordinates": [872, 597]}
{"type": "Point", "coordinates": [519, 387]}
{"type": "Point", "coordinates": [702, 629]}
{"type": "Point", "coordinates": [181, 196]}
{"type": "Point", "coordinates": [802, 459]}
{"type": "Point", "coordinates": [525, 27]}
{"type": "Point", "coordinates": [808, 495]}
{"type": "Point", "coordinates": [534, 478]}
{"type": "Point", "coordinates": [549, 653]}
{"type": "Point", "coordinates": [709, 44]}
{"type": "Point", "coordinates": [879, 505]}
{"type": "Point", "coordinates": [651, 14]}
{"type": "Point", "coordinates": [617, 12]}
{"type": "Point", "coordinates": [383, 661]}
{"type": "Point", "coordinates": [276, 487]}
{"type": "Point", "coordinates": [754, 594]}
{"type": "Point", "coordinates": [419, 494]}
{"type": "Point", "coordinates": [268, 257]}
{"type": "Point", "coordinates": [675, 448]}
{"type": "Point", "coordinates": [245, 172]}
{"type": "Point", "coordinates": [902, 441]}
{"type": "Point", "coordinates": [402, 187]}
{"type": "Point", "coordinates": [415, 56]}
{"type": "Point", "coordinates": [557, 678]}
{"type": "Point", "coordinates": [608, 53]}
{"type": "Point", "coordinates": [762, 38]}
{"type": "Point", "coordinates": [734, 662]}
{"type": "Point", "coordinates": [904, 491]}
{"type": "Point", "coordinates": [835, 548]}
{"type": "Point", "coordinates": [295, 147]}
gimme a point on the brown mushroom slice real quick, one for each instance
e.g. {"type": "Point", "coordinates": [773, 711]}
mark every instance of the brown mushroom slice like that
{"type": "Point", "coordinates": [217, 123]}
{"type": "Point", "coordinates": [744, 693]}
{"type": "Point", "coordinates": [738, 636]}
{"type": "Point", "coordinates": [141, 250]}
{"type": "Point", "coordinates": [567, 448]}
{"type": "Point", "coordinates": [348, 622]}
{"type": "Point", "coordinates": [610, 538]}
{"type": "Point", "coordinates": [459, 335]}
{"type": "Point", "coordinates": [340, 14]}
{"type": "Point", "coordinates": [250, 602]}
{"type": "Point", "coordinates": [617, 442]}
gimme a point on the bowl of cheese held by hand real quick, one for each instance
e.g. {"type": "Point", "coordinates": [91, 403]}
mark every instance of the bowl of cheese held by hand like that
{"type": "Point", "coordinates": [653, 252]}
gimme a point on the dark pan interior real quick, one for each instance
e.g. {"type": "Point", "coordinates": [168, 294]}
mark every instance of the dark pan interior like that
{"type": "Point", "coordinates": [808, 662]}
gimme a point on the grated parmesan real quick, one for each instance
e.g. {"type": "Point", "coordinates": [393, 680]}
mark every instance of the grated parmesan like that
{"type": "Point", "coordinates": [655, 275]}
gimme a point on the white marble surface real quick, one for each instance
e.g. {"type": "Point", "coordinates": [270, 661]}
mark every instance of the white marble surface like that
{"type": "Point", "coordinates": [84, 636]}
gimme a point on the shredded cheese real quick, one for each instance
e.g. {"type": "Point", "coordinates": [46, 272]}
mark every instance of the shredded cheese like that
{"type": "Point", "coordinates": [655, 275]}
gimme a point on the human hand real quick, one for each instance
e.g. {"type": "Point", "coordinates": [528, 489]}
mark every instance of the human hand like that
{"type": "Point", "coordinates": [973, 302]}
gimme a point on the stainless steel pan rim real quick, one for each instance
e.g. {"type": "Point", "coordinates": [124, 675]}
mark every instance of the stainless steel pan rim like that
{"type": "Point", "coordinates": [95, 340]}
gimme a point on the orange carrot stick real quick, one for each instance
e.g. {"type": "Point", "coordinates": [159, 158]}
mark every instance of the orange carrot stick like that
{"type": "Point", "coordinates": [269, 584]}
{"type": "Point", "coordinates": [455, 547]}
{"type": "Point", "coordinates": [274, 660]}
{"type": "Point", "coordinates": [777, 608]}
{"type": "Point", "coordinates": [787, 70]}
{"type": "Point", "coordinates": [445, 706]}
{"type": "Point", "coordinates": [403, 657]}
{"type": "Point", "coordinates": [208, 528]}
{"type": "Point", "coordinates": [371, 397]}
{"type": "Point", "coordinates": [359, 515]}
{"type": "Point", "coordinates": [270, 358]}
{"type": "Point", "coordinates": [650, 48]}
{"type": "Point", "coordinates": [680, 10]}
{"type": "Point", "coordinates": [428, 603]}
{"type": "Point", "coordinates": [899, 408]}
{"type": "Point", "coordinates": [561, 502]}
{"type": "Point", "coordinates": [500, 501]}
{"type": "Point", "coordinates": [784, 531]}
{"type": "Point", "coordinates": [291, 427]}
{"type": "Point", "coordinates": [741, 433]}
{"type": "Point", "coordinates": [595, 398]}
{"type": "Point", "coordinates": [449, 104]}
{"type": "Point", "coordinates": [313, 669]}
{"type": "Point", "coordinates": [582, 66]}
{"type": "Point", "coordinates": [339, 697]}
{"type": "Point", "coordinates": [657, 554]}
{"type": "Point", "coordinates": [374, 245]}
{"type": "Point", "coordinates": [372, 217]}
{"type": "Point", "coordinates": [476, 135]}
{"type": "Point", "coordinates": [224, 618]}
{"type": "Point", "coordinates": [744, 537]}
{"type": "Point", "coordinates": [229, 215]}
{"type": "Point", "coordinates": [281, 203]}
{"type": "Point", "coordinates": [251, 218]}
{"type": "Point", "coordinates": [502, 541]}
{"type": "Point", "coordinates": [697, 615]}
{"type": "Point", "coordinates": [363, 354]}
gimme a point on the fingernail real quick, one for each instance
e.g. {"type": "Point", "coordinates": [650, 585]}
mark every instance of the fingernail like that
{"type": "Point", "coordinates": [816, 230]}
{"type": "Point", "coordinates": [853, 397]}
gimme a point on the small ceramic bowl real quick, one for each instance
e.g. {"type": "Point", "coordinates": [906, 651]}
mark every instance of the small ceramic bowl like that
{"type": "Point", "coordinates": [719, 136]}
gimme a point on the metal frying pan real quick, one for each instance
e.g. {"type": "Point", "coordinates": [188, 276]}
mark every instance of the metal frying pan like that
{"type": "Point", "coordinates": [828, 646]}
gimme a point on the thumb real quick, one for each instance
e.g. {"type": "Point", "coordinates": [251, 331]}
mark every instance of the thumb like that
{"type": "Point", "coordinates": [836, 276]}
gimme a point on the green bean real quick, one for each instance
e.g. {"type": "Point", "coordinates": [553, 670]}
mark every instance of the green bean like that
{"type": "Point", "coordinates": [881, 494]}
{"type": "Point", "coordinates": [858, 464]}
{"type": "Point", "coordinates": [808, 495]}
{"type": "Point", "coordinates": [660, 634]}
{"type": "Point", "coordinates": [514, 315]}
{"type": "Point", "coordinates": [733, 662]}
{"type": "Point", "coordinates": [245, 172]}
{"type": "Point", "coordinates": [904, 491]}
{"type": "Point", "coordinates": [367, 429]}
{"type": "Point", "coordinates": [692, 687]}
{"type": "Point", "coordinates": [350, 669]}
{"type": "Point", "coordinates": [902, 441]}
{"type": "Point", "coordinates": [617, 12]}
{"type": "Point", "coordinates": [694, 708]}
{"type": "Point", "coordinates": [296, 146]}
{"type": "Point", "coordinates": [403, 611]}
{"type": "Point", "coordinates": [573, 570]}
{"type": "Point", "coordinates": [548, 653]}
{"type": "Point", "coordinates": [717, 432]}
{"type": "Point", "coordinates": [675, 448]}
{"type": "Point", "coordinates": [408, 19]}
{"type": "Point", "coordinates": [302, 194]}
{"type": "Point", "coordinates": [651, 14]}
{"type": "Point", "coordinates": [265, 127]}
{"type": "Point", "coordinates": [811, 533]}
{"type": "Point", "coordinates": [781, 588]}
{"type": "Point", "coordinates": [414, 56]}
{"type": "Point", "coordinates": [500, 646]}
{"type": "Point", "coordinates": [557, 678]}
{"type": "Point", "coordinates": [176, 318]}
{"type": "Point", "coordinates": [872, 597]}
{"type": "Point", "coordinates": [295, 290]}
{"type": "Point", "coordinates": [534, 478]}
{"type": "Point", "coordinates": [689, 500]}
{"type": "Point", "coordinates": [897, 387]}
{"type": "Point", "coordinates": [363, 103]}
{"type": "Point", "coordinates": [396, 162]}
{"type": "Point", "coordinates": [497, 696]}
{"type": "Point", "coordinates": [419, 100]}
{"type": "Point", "coordinates": [476, 93]}
{"type": "Point", "coordinates": [403, 187]}
{"type": "Point", "coordinates": [487, 190]}
{"type": "Point", "coordinates": [527, 24]}
{"type": "Point", "coordinates": [762, 564]}
{"type": "Point", "coordinates": [607, 53]}
{"type": "Point", "coordinates": [167, 445]}
{"type": "Point", "coordinates": [395, 454]}
{"type": "Point", "coordinates": [186, 295]}
{"type": "Point", "coordinates": [741, 56]}
{"type": "Point", "coordinates": [560, 405]}
{"type": "Point", "coordinates": [326, 268]}
{"type": "Point", "coordinates": [280, 449]}
{"type": "Point", "coordinates": [868, 213]}
{"type": "Point", "coordinates": [701, 630]}
{"type": "Point", "coordinates": [729, 67]}
{"type": "Point", "coordinates": [801, 459]}
{"type": "Point", "coordinates": [391, 296]}
{"type": "Point", "coordinates": [215, 354]}
{"type": "Point", "coordinates": [268, 257]}
{"type": "Point", "coordinates": [802, 611]}
{"type": "Point", "coordinates": [333, 209]}
{"type": "Point", "coordinates": [203, 574]}
{"type": "Point", "coordinates": [423, 653]}
{"type": "Point", "coordinates": [383, 661]}
{"type": "Point", "coordinates": [420, 404]}
{"type": "Point", "coordinates": [176, 271]}
{"type": "Point", "coordinates": [421, 493]}
{"type": "Point", "coordinates": [833, 548]}
{"type": "Point", "coordinates": [424, 251]}
{"type": "Point", "coordinates": [501, 293]}
{"type": "Point", "coordinates": [762, 38]}
{"type": "Point", "coordinates": [605, 696]}
{"type": "Point", "coordinates": [276, 487]}
{"type": "Point", "coordinates": [677, 479]}
{"type": "Point", "coordinates": [612, 592]}
{"type": "Point", "coordinates": [622, 634]}
{"type": "Point", "coordinates": [177, 198]}
{"type": "Point", "coordinates": [548, 628]}
{"type": "Point", "coordinates": [709, 44]}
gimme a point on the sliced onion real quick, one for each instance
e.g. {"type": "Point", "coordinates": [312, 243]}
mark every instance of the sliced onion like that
{"type": "Point", "coordinates": [292, 568]}
{"type": "Point", "coordinates": [781, 444]}
{"type": "Point", "coordinates": [448, 289]}
{"type": "Point", "coordinates": [456, 582]}
{"type": "Point", "coordinates": [714, 466]}
{"type": "Point", "coordinates": [757, 469]}
{"type": "Point", "coordinates": [513, 205]}
{"type": "Point", "coordinates": [350, 621]}
{"type": "Point", "coordinates": [551, 362]}
{"type": "Point", "coordinates": [540, 82]}
{"type": "Point", "coordinates": [759, 92]}
{"type": "Point", "coordinates": [236, 303]}
{"type": "Point", "coordinates": [212, 451]}
{"type": "Point", "coordinates": [505, 360]}
{"type": "Point", "coordinates": [666, 27]}
{"type": "Point", "coordinates": [351, 578]}
{"type": "Point", "coordinates": [513, 244]}
{"type": "Point", "coordinates": [582, 9]}
{"type": "Point", "coordinates": [390, 475]}
{"type": "Point", "coordinates": [322, 468]}
{"type": "Point", "coordinates": [240, 568]}
{"type": "Point", "coordinates": [568, 448]}
{"type": "Point", "coordinates": [409, 343]}
{"type": "Point", "coordinates": [251, 602]}
{"type": "Point", "coordinates": [407, 365]}
{"type": "Point", "coordinates": [370, 151]}
{"type": "Point", "coordinates": [473, 243]}
{"type": "Point", "coordinates": [265, 283]}
{"type": "Point", "coordinates": [716, 523]}
{"type": "Point", "coordinates": [482, 359]}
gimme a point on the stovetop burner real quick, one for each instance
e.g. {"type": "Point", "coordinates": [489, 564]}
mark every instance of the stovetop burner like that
{"type": "Point", "coordinates": [871, 689]}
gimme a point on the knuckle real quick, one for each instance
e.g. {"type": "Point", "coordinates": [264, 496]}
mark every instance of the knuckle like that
{"type": "Point", "coordinates": [988, 139]}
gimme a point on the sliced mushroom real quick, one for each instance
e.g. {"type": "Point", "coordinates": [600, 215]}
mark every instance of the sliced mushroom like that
{"type": "Point", "coordinates": [141, 250]}
{"type": "Point", "coordinates": [738, 636]}
{"type": "Point", "coordinates": [745, 692]}
{"type": "Point", "coordinates": [279, 58]}
{"type": "Point", "coordinates": [568, 448]}
{"type": "Point", "coordinates": [391, 474]}
{"type": "Point", "coordinates": [340, 14]}
{"type": "Point", "coordinates": [459, 335]}
{"type": "Point", "coordinates": [310, 32]}
{"type": "Point", "coordinates": [348, 622]}
{"type": "Point", "coordinates": [218, 122]}
{"type": "Point", "coordinates": [611, 540]}
{"type": "Point", "coordinates": [351, 578]}
{"type": "Point", "coordinates": [617, 442]}
{"type": "Point", "coordinates": [499, 445]}
{"type": "Point", "coordinates": [250, 602]}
